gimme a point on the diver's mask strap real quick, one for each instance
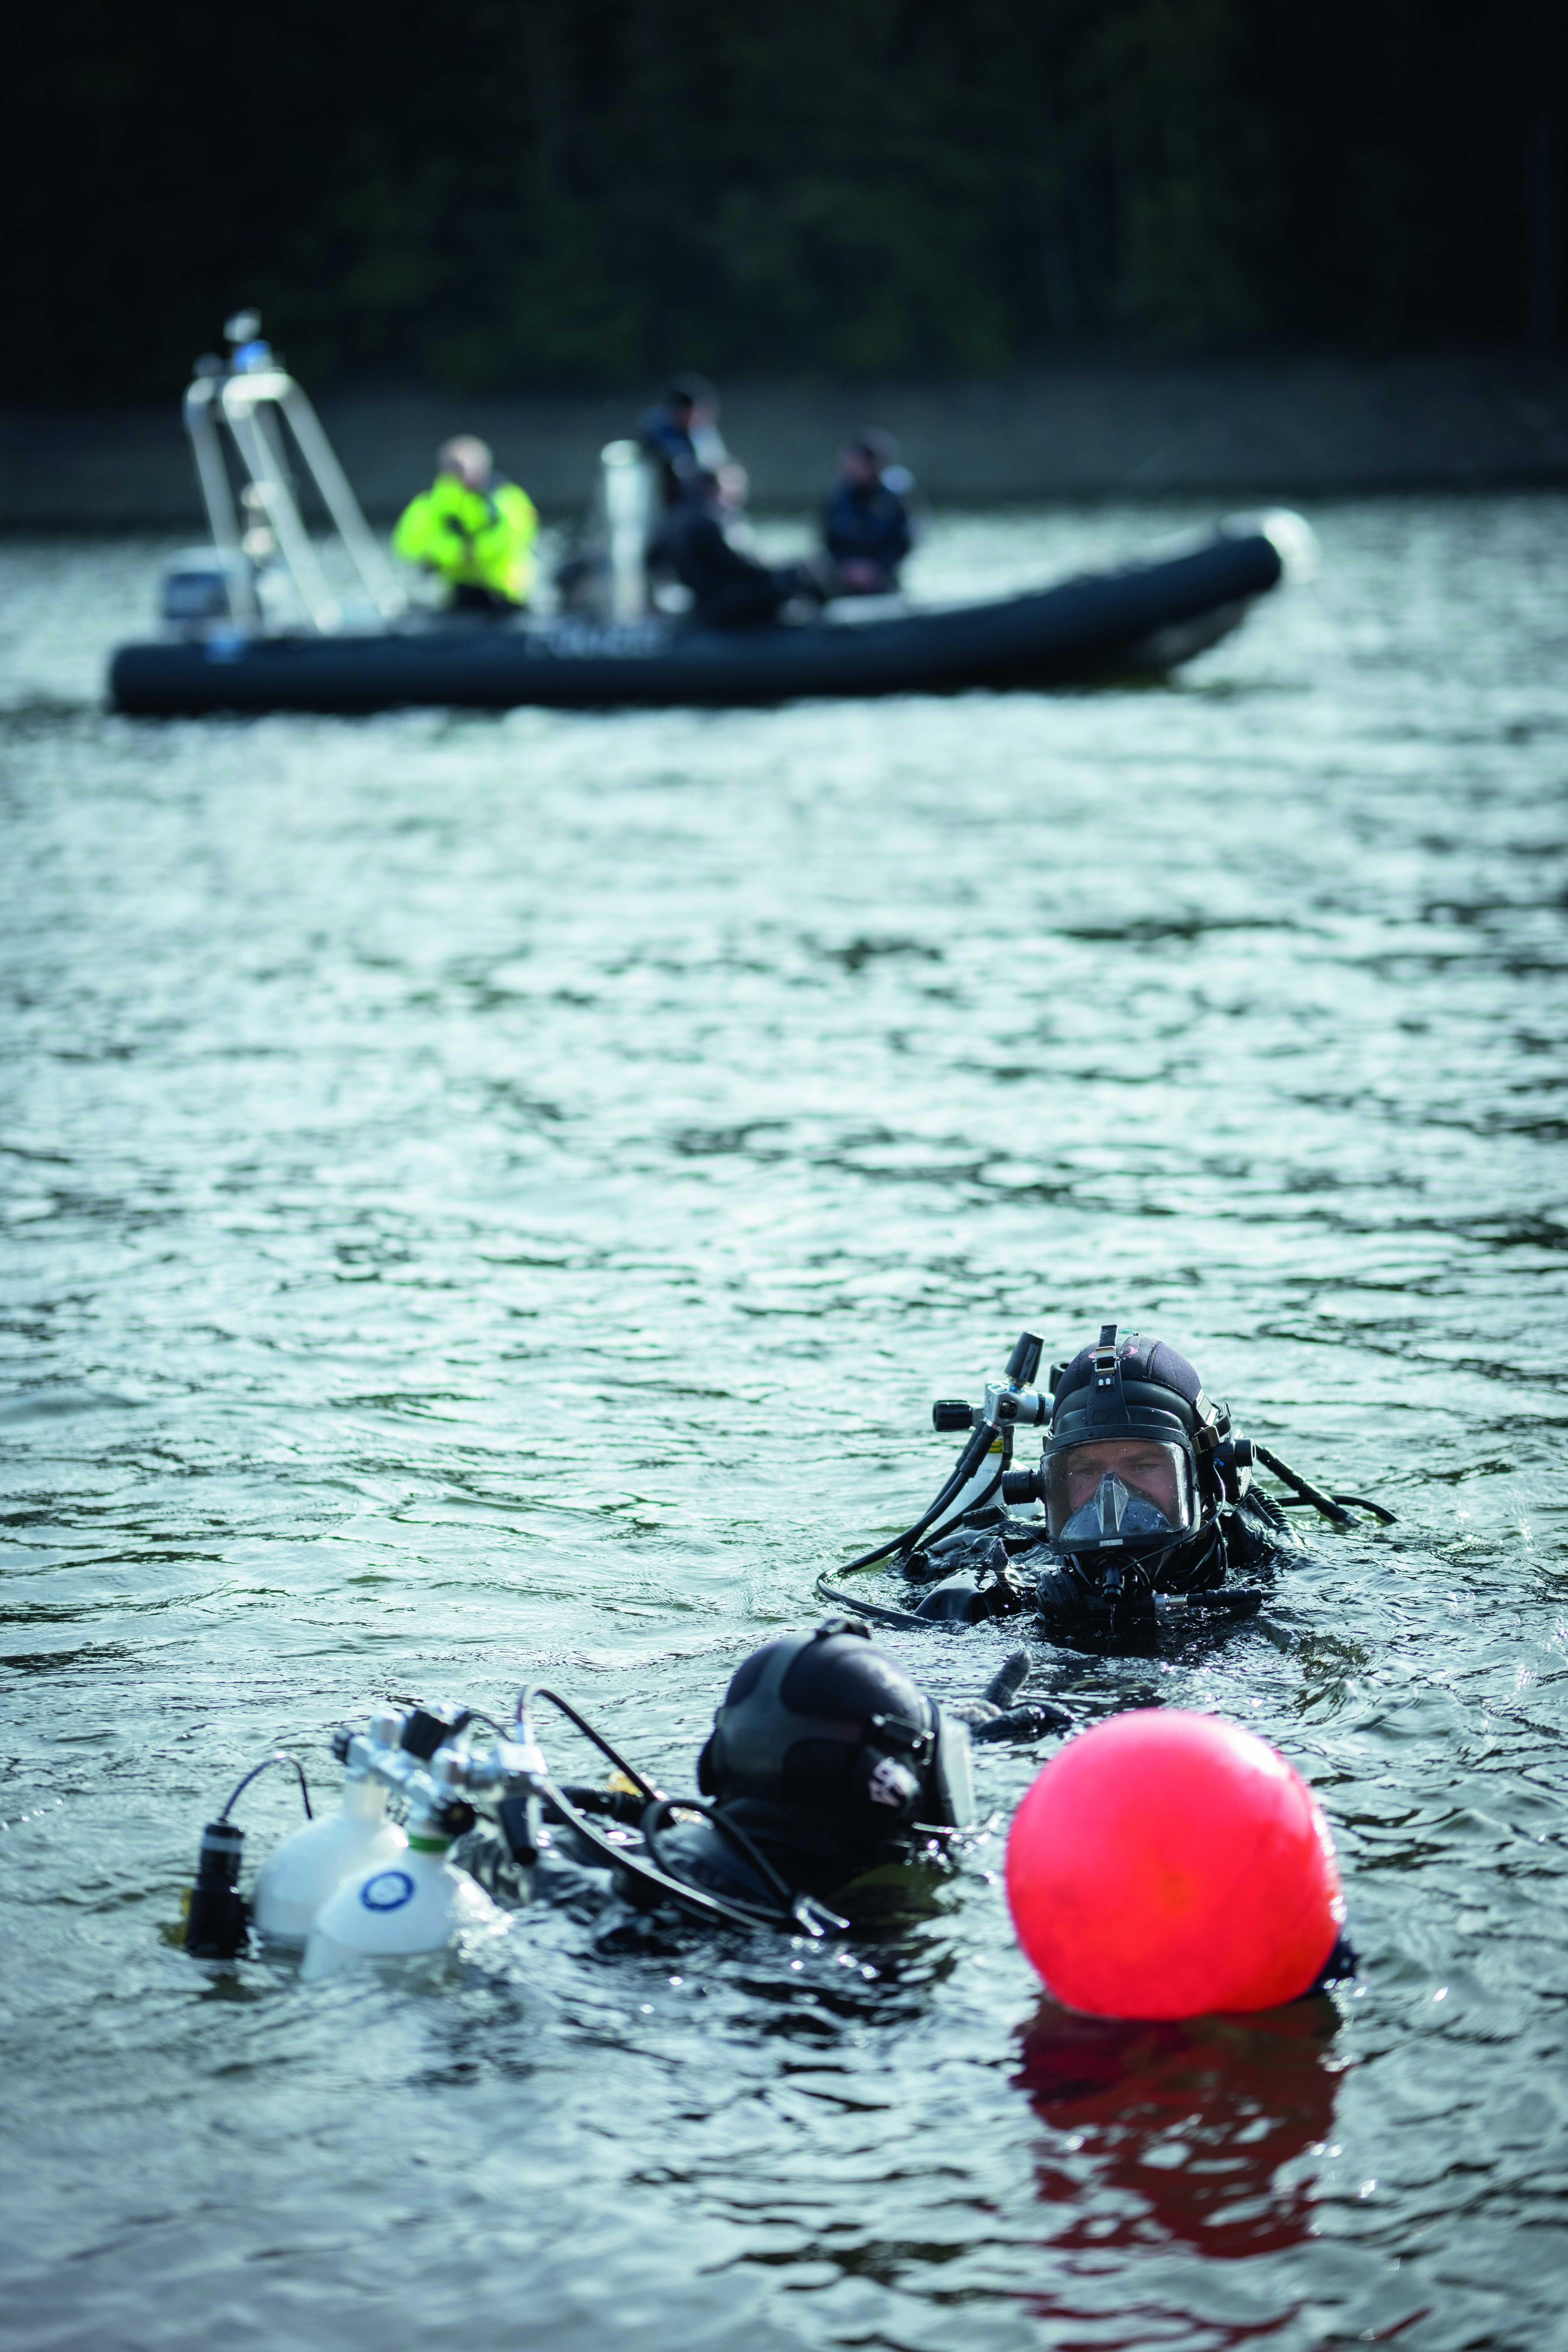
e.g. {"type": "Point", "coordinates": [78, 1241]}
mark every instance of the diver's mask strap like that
{"type": "Point", "coordinates": [1107, 1401]}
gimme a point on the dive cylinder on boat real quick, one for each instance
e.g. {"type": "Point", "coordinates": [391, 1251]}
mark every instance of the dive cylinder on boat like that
{"type": "Point", "coordinates": [416, 1903]}
{"type": "Point", "coordinates": [628, 490]}
{"type": "Point", "coordinates": [299, 1874]}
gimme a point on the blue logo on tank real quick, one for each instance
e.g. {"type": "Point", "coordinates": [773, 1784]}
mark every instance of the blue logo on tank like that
{"type": "Point", "coordinates": [389, 1890]}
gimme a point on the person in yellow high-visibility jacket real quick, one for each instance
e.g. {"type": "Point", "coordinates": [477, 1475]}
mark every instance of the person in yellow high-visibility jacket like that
{"type": "Point", "coordinates": [474, 527]}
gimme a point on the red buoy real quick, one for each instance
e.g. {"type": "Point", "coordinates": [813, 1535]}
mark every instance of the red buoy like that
{"type": "Point", "coordinates": [1166, 1864]}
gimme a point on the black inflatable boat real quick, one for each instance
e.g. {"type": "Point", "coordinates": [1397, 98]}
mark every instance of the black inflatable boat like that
{"type": "Point", "coordinates": [1139, 619]}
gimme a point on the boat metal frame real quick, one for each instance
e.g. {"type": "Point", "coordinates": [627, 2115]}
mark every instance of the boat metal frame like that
{"type": "Point", "coordinates": [250, 398]}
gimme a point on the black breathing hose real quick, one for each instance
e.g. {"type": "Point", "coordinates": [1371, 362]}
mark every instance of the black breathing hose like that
{"type": "Point", "coordinates": [525, 1720]}
{"type": "Point", "coordinates": [1379, 1510]}
{"type": "Point", "coordinates": [969, 1461]}
{"type": "Point", "coordinates": [796, 1913]}
{"type": "Point", "coordinates": [279, 1756]}
{"type": "Point", "coordinates": [1330, 1506]}
{"type": "Point", "coordinates": [877, 1611]}
{"type": "Point", "coordinates": [654, 1820]}
{"type": "Point", "coordinates": [963, 1469]}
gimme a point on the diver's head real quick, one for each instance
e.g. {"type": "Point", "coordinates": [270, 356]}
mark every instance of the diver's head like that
{"type": "Point", "coordinates": [823, 1729]}
{"type": "Point", "coordinates": [1127, 1472]}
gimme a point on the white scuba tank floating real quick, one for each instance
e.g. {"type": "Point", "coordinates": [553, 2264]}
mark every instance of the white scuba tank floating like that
{"type": "Point", "coordinates": [383, 1889]}
{"type": "Point", "coordinates": [298, 1875]}
{"type": "Point", "coordinates": [416, 1902]}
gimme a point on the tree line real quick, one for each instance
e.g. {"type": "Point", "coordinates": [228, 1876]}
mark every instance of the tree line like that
{"type": "Point", "coordinates": [518, 193]}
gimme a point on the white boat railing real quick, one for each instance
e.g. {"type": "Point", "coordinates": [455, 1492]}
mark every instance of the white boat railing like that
{"type": "Point", "coordinates": [246, 400]}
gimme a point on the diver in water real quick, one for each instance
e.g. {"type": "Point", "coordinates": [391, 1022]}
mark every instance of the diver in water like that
{"type": "Point", "coordinates": [1144, 1495]}
{"type": "Point", "coordinates": [830, 1777]}
{"type": "Point", "coordinates": [1151, 1513]}
{"type": "Point", "coordinates": [829, 1774]}
{"type": "Point", "coordinates": [830, 1788]}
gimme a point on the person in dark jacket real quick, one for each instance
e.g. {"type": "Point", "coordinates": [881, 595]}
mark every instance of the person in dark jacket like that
{"type": "Point", "coordinates": [730, 590]}
{"type": "Point", "coordinates": [681, 437]}
{"type": "Point", "coordinates": [866, 524]}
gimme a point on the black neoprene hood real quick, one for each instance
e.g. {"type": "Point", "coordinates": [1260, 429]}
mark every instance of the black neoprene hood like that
{"type": "Point", "coordinates": [825, 1726]}
{"type": "Point", "coordinates": [1134, 1384]}
{"type": "Point", "coordinates": [798, 1709]}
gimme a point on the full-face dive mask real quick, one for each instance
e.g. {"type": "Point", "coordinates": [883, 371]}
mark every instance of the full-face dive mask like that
{"type": "Point", "coordinates": [1126, 1474]}
{"type": "Point", "coordinates": [1119, 1494]}
{"type": "Point", "coordinates": [823, 1729]}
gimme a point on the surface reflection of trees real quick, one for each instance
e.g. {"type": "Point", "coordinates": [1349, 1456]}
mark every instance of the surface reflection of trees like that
{"type": "Point", "coordinates": [1180, 2132]}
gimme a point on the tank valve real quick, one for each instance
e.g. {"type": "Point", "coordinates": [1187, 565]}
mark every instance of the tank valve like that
{"type": "Point", "coordinates": [426, 1729]}
{"type": "Point", "coordinates": [951, 1413]}
{"type": "Point", "coordinates": [217, 1925]}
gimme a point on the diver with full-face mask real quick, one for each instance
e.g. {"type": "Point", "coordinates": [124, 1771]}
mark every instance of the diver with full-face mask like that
{"type": "Point", "coordinates": [1152, 1513]}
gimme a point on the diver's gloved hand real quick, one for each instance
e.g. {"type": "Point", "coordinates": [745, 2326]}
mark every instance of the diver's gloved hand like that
{"type": "Point", "coordinates": [993, 1715]}
{"type": "Point", "coordinates": [1027, 1722]}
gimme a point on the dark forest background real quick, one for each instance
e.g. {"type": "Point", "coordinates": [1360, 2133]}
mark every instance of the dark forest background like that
{"type": "Point", "coordinates": [505, 194]}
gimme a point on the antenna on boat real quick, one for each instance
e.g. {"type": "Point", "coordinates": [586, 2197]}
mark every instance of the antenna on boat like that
{"type": "Point", "coordinates": [235, 411]}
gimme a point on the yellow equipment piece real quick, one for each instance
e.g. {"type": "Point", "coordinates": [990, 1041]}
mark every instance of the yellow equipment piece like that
{"type": "Point", "coordinates": [474, 539]}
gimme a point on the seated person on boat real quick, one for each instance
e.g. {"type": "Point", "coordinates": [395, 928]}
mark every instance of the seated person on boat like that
{"type": "Point", "coordinates": [474, 528]}
{"type": "Point", "coordinates": [730, 590]}
{"type": "Point", "coordinates": [680, 441]}
{"type": "Point", "coordinates": [866, 524]}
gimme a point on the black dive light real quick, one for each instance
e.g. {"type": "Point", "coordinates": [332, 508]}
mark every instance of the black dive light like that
{"type": "Point", "coordinates": [217, 1916]}
{"type": "Point", "coordinates": [217, 1924]}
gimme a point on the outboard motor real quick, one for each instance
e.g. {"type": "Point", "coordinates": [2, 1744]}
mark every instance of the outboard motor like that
{"type": "Point", "coordinates": [208, 590]}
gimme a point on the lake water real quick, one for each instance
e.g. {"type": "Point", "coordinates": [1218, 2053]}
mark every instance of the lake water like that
{"type": "Point", "coordinates": [485, 1194]}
